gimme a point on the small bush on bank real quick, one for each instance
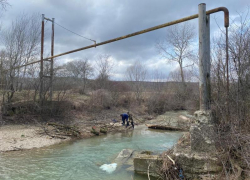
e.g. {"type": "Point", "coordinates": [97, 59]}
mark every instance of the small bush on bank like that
{"type": "Point", "coordinates": [31, 112]}
{"type": "Point", "coordinates": [176, 99]}
{"type": "Point", "coordinates": [100, 99]}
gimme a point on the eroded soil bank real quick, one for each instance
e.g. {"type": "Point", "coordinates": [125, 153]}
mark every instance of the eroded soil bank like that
{"type": "Point", "coordinates": [20, 137]}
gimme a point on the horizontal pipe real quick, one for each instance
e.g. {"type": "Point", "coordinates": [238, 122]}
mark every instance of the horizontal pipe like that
{"type": "Point", "coordinates": [226, 24]}
{"type": "Point", "coordinates": [48, 19]}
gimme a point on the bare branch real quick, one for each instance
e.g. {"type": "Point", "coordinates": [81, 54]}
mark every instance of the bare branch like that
{"type": "Point", "coordinates": [177, 45]}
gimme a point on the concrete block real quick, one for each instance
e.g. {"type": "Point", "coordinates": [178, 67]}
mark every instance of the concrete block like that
{"type": "Point", "coordinates": [142, 162]}
{"type": "Point", "coordinates": [204, 117]}
{"type": "Point", "coordinates": [202, 138]}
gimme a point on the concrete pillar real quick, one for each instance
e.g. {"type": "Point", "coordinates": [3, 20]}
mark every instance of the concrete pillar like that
{"type": "Point", "coordinates": [202, 132]}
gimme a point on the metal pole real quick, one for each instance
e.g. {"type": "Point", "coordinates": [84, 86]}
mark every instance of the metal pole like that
{"type": "Point", "coordinates": [41, 64]}
{"type": "Point", "coordinates": [52, 61]}
{"type": "Point", "coordinates": [204, 58]}
{"type": "Point", "coordinates": [227, 66]}
{"type": "Point", "coordinates": [227, 59]}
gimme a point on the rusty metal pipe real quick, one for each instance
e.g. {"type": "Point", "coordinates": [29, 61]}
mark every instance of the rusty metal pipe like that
{"type": "Point", "coordinates": [226, 14]}
{"type": "Point", "coordinates": [226, 24]}
{"type": "Point", "coordinates": [226, 20]}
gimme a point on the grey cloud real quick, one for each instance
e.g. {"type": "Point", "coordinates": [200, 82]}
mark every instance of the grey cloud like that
{"type": "Point", "coordinates": [102, 20]}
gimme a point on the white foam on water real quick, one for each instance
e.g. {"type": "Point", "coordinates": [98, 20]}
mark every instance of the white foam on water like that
{"type": "Point", "coordinates": [109, 168]}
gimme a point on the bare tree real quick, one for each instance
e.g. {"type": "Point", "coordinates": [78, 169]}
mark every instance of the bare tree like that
{"type": "Point", "coordinates": [80, 69]}
{"type": "Point", "coordinates": [159, 80]}
{"type": "Point", "coordinates": [3, 62]}
{"type": "Point", "coordinates": [177, 45]}
{"type": "Point", "coordinates": [239, 66]}
{"type": "Point", "coordinates": [62, 83]}
{"type": "Point", "coordinates": [136, 74]}
{"type": "Point", "coordinates": [175, 75]}
{"type": "Point", "coordinates": [4, 4]}
{"type": "Point", "coordinates": [32, 81]}
{"type": "Point", "coordinates": [104, 67]}
{"type": "Point", "coordinates": [233, 116]}
{"type": "Point", "coordinates": [21, 42]}
{"type": "Point", "coordinates": [31, 43]}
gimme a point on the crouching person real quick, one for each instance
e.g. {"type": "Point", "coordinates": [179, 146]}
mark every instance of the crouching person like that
{"type": "Point", "coordinates": [124, 117]}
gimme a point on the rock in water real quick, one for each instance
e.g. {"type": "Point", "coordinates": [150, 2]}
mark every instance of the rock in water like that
{"type": "Point", "coordinates": [109, 168]}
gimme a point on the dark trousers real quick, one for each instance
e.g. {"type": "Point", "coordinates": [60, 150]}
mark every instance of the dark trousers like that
{"type": "Point", "coordinates": [127, 123]}
{"type": "Point", "coordinates": [132, 123]}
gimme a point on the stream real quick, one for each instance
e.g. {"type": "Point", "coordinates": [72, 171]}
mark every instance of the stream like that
{"type": "Point", "coordinates": [81, 160]}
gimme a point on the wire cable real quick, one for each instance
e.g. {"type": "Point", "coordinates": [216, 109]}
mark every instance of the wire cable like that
{"type": "Point", "coordinates": [75, 33]}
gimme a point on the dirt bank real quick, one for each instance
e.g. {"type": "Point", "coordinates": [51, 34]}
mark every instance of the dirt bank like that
{"type": "Point", "coordinates": [18, 137]}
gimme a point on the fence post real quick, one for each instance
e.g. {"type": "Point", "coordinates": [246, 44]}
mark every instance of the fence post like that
{"type": "Point", "coordinates": [204, 58]}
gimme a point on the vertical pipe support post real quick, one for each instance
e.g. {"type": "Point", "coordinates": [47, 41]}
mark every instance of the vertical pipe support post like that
{"type": "Point", "coordinates": [52, 61]}
{"type": "Point", "coordinates": [41, 64]}
{"type": "Point", "coordinates": [204, 58]}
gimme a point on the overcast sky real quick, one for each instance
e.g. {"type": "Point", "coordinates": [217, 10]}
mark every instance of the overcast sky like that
{"type": "Point", "coordinates": [105, 19]}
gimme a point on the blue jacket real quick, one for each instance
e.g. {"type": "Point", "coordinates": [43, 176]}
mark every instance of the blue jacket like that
{"type": "Point", "coordinates": [124, 116]}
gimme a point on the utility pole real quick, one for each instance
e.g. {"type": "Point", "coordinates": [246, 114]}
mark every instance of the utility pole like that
{"type": "Point", "coordinates": [41, 63]}
{"type": "Point", "coordinates": [204, 58]}
{"type": "Point", "coordinates": [52, 61]}
{"type": "Point", "coordinates": [42, 76]}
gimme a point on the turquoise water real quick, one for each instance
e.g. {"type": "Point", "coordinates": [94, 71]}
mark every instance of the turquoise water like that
{"type": "Point", "coordinates": [80, 160]}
